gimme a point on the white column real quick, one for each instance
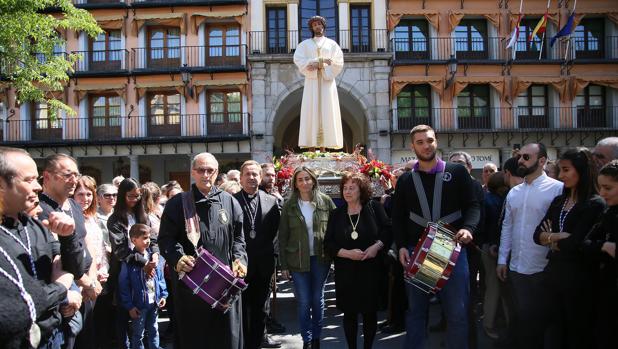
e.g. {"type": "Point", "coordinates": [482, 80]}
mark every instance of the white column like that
{"type": "Point", "coordinates": [344, 25]}
{"type": "Point", "coordinates": [134, 166]}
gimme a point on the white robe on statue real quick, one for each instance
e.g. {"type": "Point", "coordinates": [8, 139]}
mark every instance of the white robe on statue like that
{"type": "Point", "coordinates": [310, 115]}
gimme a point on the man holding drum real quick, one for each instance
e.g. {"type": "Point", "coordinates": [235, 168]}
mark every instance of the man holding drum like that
{"type": "Point", "coordinates": [435, 191]}
{"type": "Point", "coordinates": [220, 232]}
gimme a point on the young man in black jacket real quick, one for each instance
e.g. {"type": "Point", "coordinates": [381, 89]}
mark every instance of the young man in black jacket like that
{"type": "Point", "coordinates": [455, 203]}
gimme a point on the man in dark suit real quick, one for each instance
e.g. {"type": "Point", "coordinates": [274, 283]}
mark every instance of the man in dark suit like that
{"type": "Point", "coordinates": [261, 213]}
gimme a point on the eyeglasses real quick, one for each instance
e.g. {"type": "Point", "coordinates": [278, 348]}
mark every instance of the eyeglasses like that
{"type": "Point", "coordinates": [110, 195]}
{"type": "Point", "coordinates": [203, 170]}
{"type": "Point", "coordinates": [69, 176]}
{"type": "Point", "coordinates": [526, 157]}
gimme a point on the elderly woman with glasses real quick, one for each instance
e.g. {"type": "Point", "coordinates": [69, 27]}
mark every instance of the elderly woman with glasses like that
{"type": "Point", "coordinates": [304, 218]}
{"type": "Point", "coordinates": [129, 210]}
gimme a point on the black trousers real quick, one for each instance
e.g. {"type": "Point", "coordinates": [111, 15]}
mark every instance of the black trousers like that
{"type": "Point", "coordinates": [530, 308]}
{"type": "Point", "coordinates": [254, 299]}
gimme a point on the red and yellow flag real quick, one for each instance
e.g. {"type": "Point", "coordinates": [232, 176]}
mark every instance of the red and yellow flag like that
{"type": "Point", "coordinates": [540, 27]}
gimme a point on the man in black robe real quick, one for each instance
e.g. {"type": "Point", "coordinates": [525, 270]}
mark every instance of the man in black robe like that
{"type": "Point", "coordinates": [221, 233]}
{"type": "Point", "coordinates": [261, 223]}
{"type": "Point", "coordinates": [31, 243]}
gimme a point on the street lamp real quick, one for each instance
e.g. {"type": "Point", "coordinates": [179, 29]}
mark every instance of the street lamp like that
{"type": "Point", "coordinates": [452, 69]}
{"type": "Point", "coordinates": [186, 78]}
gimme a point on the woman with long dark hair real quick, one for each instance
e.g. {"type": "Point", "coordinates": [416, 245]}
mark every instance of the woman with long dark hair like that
{"type": "Point", "coordinates": [564, 228]}
{"type": "Point", "coordinates": [600, 244]}
{"type": "Point", "coordinates": [129, 210]}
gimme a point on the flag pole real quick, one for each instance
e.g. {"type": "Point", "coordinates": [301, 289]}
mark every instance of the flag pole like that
{"type": "Point", "coordinates": [521, 7]}
{"type": "Point", "coordinates": [572, 29]}
{"type": "Point", "coordinates": [546, 15]}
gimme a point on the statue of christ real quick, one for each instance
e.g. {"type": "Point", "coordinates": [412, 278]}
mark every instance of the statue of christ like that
{"type": "Point", "coordinates": [320, 60]}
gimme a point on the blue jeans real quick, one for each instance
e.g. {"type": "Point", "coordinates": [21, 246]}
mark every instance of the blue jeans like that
{"type": "Point", "coordinates": [309, 290]}
{"type": "Point", "coordinates": [455, 297]}
{"type": "Point", "coordinates": [148, 321]}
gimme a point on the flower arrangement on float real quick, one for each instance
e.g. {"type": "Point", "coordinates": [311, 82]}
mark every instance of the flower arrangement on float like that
{"type": "Point", "coordinates": [329, 166]}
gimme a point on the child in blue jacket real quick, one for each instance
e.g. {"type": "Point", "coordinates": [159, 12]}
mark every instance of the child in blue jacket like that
{"type": "Point", "coordinates": [140, 294]}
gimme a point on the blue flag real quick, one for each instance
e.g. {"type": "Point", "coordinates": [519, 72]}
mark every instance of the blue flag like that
{"type": "Point", "coordinates": [565, 31]}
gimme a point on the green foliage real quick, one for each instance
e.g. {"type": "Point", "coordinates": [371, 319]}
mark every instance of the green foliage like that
{"type": "Point", "coordinates": [28, 36]}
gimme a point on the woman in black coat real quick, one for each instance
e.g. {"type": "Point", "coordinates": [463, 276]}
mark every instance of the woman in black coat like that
{"type": "Point", "coordinates": [568, 273]}
{"type": "Point", "coordinates": [600, 246]}
{"type": "Point", "coordinates": [356, 233]}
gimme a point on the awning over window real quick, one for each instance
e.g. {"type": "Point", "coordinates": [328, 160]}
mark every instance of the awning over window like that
{"type": "Point", "coordinates": [399, 82]}
{"type": "Point", "coordinates": [200, 85]}
{"type": "Point", "coordinates": [167, 19]}
{"type": "Point", "coordinates": [82, 90]}
{"type": "Point", "coordinates": [395, 16]}
{"type": "Point", "coordinates": [461, 82]}
{"type": "Point", "coordinates": [110, 22]}
{"type": "Point", "coordinates": [198, 18]}
{"type": "Point", "coordinates": [520, 83]}
{"type": "Point", "coordinates": [577, 84]}
{"type": "Point", "coordinates": [454, 17]}
{"type": "Point", "coordinates": [141, 88]}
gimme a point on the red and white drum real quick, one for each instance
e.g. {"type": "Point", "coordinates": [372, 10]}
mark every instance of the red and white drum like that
{"type": "Point", "coordinates": [213, 281]}
{"type": "Point", "coordinates": [433, 259]}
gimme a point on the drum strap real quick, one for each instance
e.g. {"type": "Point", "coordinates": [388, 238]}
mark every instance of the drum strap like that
{"type": "Point", "coordinates": [192, 221]}
{"type": "Point", "coordinates": [434, 216]}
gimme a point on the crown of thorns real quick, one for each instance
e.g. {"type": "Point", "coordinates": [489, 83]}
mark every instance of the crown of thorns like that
{"type": "Point", "coordinates": [316, 19]}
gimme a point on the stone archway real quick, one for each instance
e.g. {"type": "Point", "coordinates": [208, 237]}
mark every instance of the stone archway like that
{"type": "Point", "coordinates": [286, 120]}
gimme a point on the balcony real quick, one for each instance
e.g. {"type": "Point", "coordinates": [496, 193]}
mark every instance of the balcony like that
{"type": "Point", "coordinates": [441, 48]}
{"type": "Point", "coordinates": [420, 50]}
{"type": "Point", "coordinates": [285, 42]}
{"type": "Point", "coordinates": [96, 4]}
{"type": "Point", "coordinates": [199, 58]}
{"type": "Point", "coordinates": [507, 119]}
{"type": "Point", "coordinates": [149, 3]}
{"type": "Point", "coordinates": [105, 61]}
{"type": "Point", "coordinates": [124, 130]}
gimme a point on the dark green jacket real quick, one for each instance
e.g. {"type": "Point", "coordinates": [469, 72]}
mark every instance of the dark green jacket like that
{"type": "Point", "coordinates": [293, 235]}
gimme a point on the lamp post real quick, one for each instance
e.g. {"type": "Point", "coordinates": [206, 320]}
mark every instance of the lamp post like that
{"type": "Point", "coordinates": [452, 70]}
{"type": "Point", "coordinates": [186, 78]}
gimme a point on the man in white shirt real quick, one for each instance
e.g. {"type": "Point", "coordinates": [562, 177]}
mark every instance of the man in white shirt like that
{"type": "Point", "coordinates": [526, 205]}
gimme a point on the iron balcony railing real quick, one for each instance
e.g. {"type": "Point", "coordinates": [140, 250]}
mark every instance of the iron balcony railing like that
{"type": "Point", "coordinates": [102, 61]}
{"type": "Point", "coordinates": [84, 2]}
{"type": "Point", "coordinates": [418, 48]}
{"type": "Point", "coordinates": [286, 41]}
{"type": "Point", "coordinates": [511, 118]}
{"type": "Point", "coordinates": [169, 58]}
{"type": "Point", "coordinates": [126, 128]}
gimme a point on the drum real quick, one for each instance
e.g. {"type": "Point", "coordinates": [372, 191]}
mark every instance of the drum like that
{"type": "Point", "coordinates": [213, 281]}
{"type": "Point", "coordinates": [433, 259]}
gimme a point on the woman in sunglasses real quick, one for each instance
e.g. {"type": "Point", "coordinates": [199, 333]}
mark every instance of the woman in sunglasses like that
{"type": "Point", "coordinates": [563, 229]}
{"type": "Point", "coordinates": [129, 210]}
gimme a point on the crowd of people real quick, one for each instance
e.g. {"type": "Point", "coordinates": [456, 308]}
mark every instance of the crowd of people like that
{"type": "Point", "coordinates": [90, 266]}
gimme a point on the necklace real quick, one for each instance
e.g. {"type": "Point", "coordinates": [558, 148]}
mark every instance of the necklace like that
{"type": "Point", "coordinates": [34, 334]}
{"type": "Point", "coordinates": [564, 213]}
{"type": "Point", "coordinates": [354, 234]}
{"type": "Point", "coordinates": [28, 248]}
{"type": "Point", "coordinates": [251, 215]}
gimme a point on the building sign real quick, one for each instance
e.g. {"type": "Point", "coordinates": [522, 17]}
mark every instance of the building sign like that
{"type": "Point", "coordinates": [482, 156]}
{"type": "Point", "coordinates": [401, 157]}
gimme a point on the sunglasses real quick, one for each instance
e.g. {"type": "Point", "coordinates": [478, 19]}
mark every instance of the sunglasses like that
{"type": "Point", "coordinates": [526, 157]}
{"type": "Point", "coordinates": [109, 195]}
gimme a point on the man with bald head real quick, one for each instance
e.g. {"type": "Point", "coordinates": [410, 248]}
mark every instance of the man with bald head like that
{"type": "Point", "coordinates": [605, 151]}
{"type": "Point", "coordinates": [220, 231]}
